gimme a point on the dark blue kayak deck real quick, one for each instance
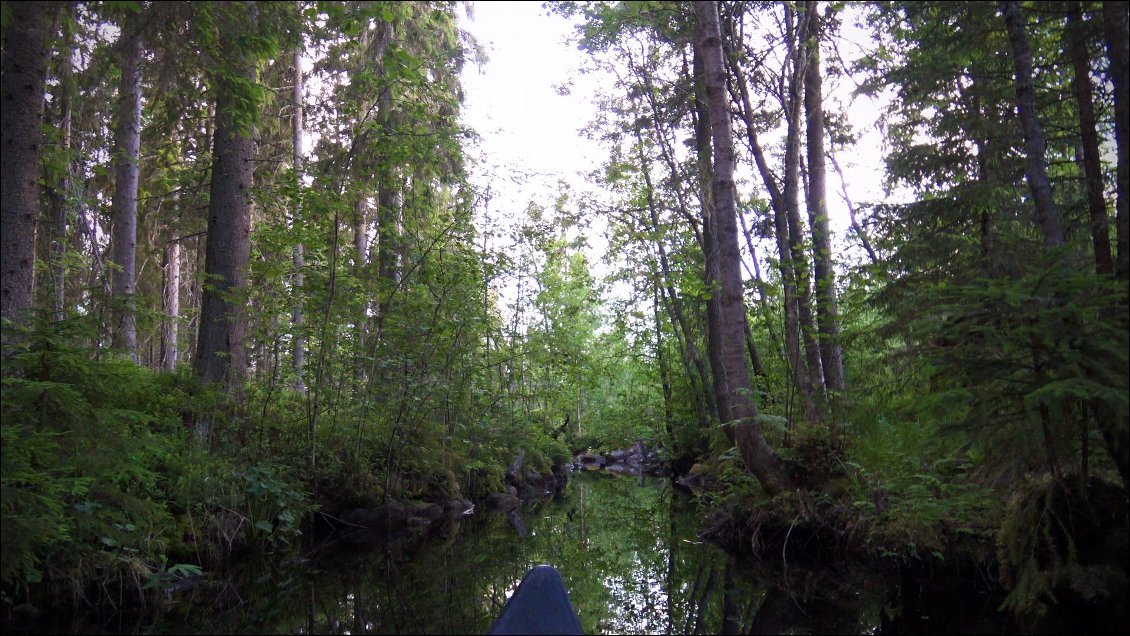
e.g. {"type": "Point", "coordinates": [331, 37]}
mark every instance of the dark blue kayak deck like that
{"type": "Point", "coordinates": [540, 605]}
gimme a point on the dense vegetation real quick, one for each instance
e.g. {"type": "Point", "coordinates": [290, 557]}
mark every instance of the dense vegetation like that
{"type": "Point", "coordinates": [245, 283]}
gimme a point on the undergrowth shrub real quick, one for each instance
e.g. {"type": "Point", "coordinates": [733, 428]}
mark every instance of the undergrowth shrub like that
{"type": "Point", "coordinates": [86, 443]}
{"type": "Point", "coordinates": [104, 489]}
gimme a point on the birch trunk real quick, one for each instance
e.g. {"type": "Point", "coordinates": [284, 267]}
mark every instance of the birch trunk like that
{"type": "Point", "coordinates": [1048, 216]}
{"type": "Point", "coordinates": [171, 293]}
{"type": "Point", "coordinates": [758, 456]}
{"type": "Point", "coordinates": [827, 313]}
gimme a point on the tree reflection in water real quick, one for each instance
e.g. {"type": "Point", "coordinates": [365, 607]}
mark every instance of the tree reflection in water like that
{"type": "Point", "coordinates": [629, 555]}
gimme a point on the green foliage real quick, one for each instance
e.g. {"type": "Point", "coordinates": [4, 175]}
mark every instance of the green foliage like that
{"type": "Point", "coordinates": [167, 575]}
{"type": "Point", "coordinates": [275, 509]}
{"type": "Point", "coordinates": [1013, 363]}
{"type": "Point", "coordinates": [86, 444]}
{"type": "Point", "coordinates": [103, 484]}
{"type": "Point", "coordinates": [33, 493]}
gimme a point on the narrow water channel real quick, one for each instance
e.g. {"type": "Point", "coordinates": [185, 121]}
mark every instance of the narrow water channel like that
{"type": "Point", "coordinates": [629, 554]}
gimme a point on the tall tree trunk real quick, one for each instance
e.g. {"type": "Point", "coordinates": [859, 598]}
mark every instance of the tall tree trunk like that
{"type": "Point", "coordinates": [1115, 28]}
{"type": "Point", "coordinates": [361, 232]}
{"type": "Point", "coordinates": [63, 196]}
{"type": "Point", "coordinates": [388, 210]}
{"type": "Point", "coordinates": [360, 269]}
{"type": "Point", "coordinates": [220, 353]}
{"type": "Point", "coordinates": [1092, 166]}
{"type": "Point", "coordinates": [986, 163]}
{"type": "Point", "coordinates": [794, 36]}
{"type": "Point", "coordinates": [21, 138]}
{"type": "Point", "coordinates": [127, 151]}
{"type": "Point", "coordinates": [171, 293]}
{"type": "Point", "coordinates": [758, 456]}
{"type": "Point", "coordinates": [1048, 215]}
{"type": "Point", "coordinates": [713, 276]}
{"type": "Point", "coordinates": [299, 354]}
{"type": "Point", "coordinates": [789, 242]}
{"type": "Point", "coordinates": [777, 198]}
{"type": "Point", "coordinates": [827, 314]}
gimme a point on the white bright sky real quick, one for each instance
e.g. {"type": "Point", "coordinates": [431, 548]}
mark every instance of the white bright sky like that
{"type": "Point", "coordinates": [529, 130]}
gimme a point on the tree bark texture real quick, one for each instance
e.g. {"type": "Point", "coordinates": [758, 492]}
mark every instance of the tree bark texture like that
{"type": "Point", "coordinates": [1092, 165]}
{"type": "Point", "coordinates": [758, 456]}
{"type": "Point", "coordinates": [1048, 216]}
{"type": "Point", "coordinates": [793, 272]}
{"type": "Point", "coordinates": [127, 151]}
{"type": "Point", "coordinates": [220, 355]}
{"type": "Point", "coordinates": [1115, 27]}
{"type": "Point", "coordinates": [713, 277]}
{"type": "Point", "coordinates": [795, 29]}
{"type": "Point", "coordinates": [21, 116]}
{"type": "Point", "coordinates": [171, 294]}
{"type": "Point", "coordinates": [388, 210]}
{"type": "Point", "coordinates": [296, 318]}
{"type": "Point", "coordinates": [827, 313]}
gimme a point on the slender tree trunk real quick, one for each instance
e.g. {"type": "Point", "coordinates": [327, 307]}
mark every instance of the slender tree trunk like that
{"type": "Point", "coordinates": [780, 206]}
{"type": "Point", "coordinates": [827, 313]}
{"type": "Point", "coordinates": [985, 172]}
{"type": "Point", "coordinates": [713, 276]}
{"type": "Point", "coordinates": [664, 372]}
{"type": "Point", "coordinates": [796, 361]}
{"type": "Point", "coordinates": [798, 324]}
{"type": "Point", "coordinates": [1115, 28]}
{"type": "Point", "coordinates": [21, 116]}
{"type": "Point", "coordinates": [360, 269]}
{"type": "Point", "coordinates": [1047, 213]}
{"type": "Point", "coordinates": [795, 29]}
{"type": "Point", "coordinates": [751, 349]}
{"type": "Point", "coordinates": [63, 196]}
{"type": "Point", "coordinates": [220, 350]}
{"type": "Point", "coordinates": [703, 403]}
{"type": "Point", "coordinates": [758, 456]}
{"type": "Point", "coordinates": [299, 354]}
{"type": "Point", "coordinates": [1092, 166]}
{"type": "Point", "coordinates": [361, 232]}
{"type": "Point", "coordinates": [127, 151]}
{"type": "Point", "coordinates": [388, 210]}
{"type": "Point", "coordinates": [170, 327]}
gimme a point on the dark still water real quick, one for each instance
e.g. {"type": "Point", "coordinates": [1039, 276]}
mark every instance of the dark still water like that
{"type": "Point", "coordinates": [629, 555]}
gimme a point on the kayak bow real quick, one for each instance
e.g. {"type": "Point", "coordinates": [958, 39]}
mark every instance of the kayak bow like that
{"type": "Point", "coordinates": [540, 605]}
